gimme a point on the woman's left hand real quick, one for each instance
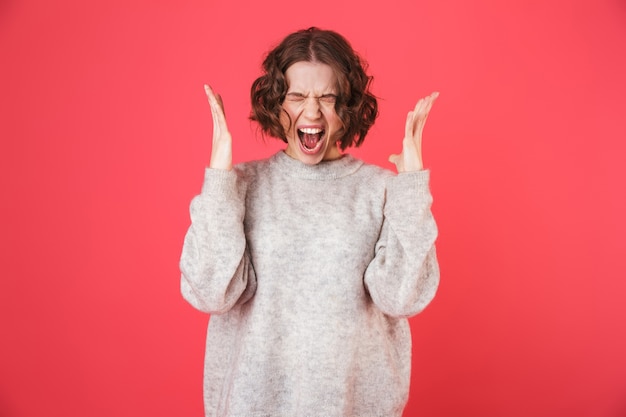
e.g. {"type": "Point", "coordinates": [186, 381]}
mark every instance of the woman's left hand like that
{"type": "Point", "coordinates": [411, 157]}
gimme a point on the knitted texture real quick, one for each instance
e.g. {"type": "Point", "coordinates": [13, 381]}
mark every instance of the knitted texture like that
{"type": "Point", "coordinates": [309, 273]}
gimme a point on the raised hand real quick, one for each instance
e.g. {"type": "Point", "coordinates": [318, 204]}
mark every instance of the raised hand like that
{"type": "Point", "coordinates": [411, 157]}
{"type": "Point", "coordinates": [222, 149]}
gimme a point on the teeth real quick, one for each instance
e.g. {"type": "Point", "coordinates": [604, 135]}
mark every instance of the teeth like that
{"type": "Point", "coordinates": [310, 130]}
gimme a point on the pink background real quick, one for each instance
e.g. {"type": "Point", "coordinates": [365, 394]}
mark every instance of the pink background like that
{"type": "Point", "coordinates": [105, 132]}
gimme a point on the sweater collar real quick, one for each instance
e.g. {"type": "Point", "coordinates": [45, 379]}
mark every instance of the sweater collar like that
{"type": "Point", "coordinates": [325, 170]}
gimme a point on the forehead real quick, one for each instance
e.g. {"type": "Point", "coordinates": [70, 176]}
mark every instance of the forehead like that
{"type": "Point", "coordinates": [313, 77]}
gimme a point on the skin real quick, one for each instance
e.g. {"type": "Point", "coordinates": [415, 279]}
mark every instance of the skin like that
{"type": "Point", "coordinates": [410, 159]}
{"type": "Point", "coordinates": [310, 103]}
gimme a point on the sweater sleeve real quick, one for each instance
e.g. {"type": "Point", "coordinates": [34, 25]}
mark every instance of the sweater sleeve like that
{"type": "Point", "coordinates": [215, 263]}
{"type": "Point", "coordinates": [404, 275]}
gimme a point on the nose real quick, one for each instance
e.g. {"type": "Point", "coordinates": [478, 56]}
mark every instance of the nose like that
{"type": "Point", "coordinates": [312, 108]}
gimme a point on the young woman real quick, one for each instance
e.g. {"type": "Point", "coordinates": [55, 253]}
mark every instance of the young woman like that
{"type": "Point", "coordinates": [311, 261]}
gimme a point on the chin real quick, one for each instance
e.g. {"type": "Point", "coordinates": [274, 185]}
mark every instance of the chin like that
{"type": "Point", "coordinates": [307, 158]}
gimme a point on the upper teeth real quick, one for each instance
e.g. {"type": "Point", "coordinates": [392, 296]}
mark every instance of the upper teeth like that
{"type": "Point", "coordinates": [310, 130]}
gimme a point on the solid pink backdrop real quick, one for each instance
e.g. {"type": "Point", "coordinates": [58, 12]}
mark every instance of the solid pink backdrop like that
{"type": "Point", "coordinates": [105, 133]}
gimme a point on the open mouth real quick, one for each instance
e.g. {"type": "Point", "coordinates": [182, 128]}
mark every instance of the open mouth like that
{"type": "Point", "coordinates": [311, 139]}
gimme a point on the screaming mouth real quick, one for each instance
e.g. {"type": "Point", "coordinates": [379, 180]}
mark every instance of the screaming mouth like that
{"type": "Point", "coordinates": [311, 138]}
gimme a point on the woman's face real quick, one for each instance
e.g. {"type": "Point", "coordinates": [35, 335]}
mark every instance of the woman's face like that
{"type": "Point", "coordinates": [312, 134]}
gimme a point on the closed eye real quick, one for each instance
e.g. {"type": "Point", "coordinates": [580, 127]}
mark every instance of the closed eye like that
{"type": "Point", "coordinates": [299, 98]}
{"type": "Point", "coordinates": [328, 99]}
{"type": "Point", "coordinates": [295, 97]}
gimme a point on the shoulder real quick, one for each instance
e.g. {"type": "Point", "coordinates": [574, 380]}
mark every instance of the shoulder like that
{"type": "Point", "coordinates": [251, 169]}
{"type": "Point", "coordinates": [375, 175]}
{"type": "Point", "coordinates": [376, 171]}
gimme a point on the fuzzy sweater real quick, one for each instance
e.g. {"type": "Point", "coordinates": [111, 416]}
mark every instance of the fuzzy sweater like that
{"type": "Point", "coordinates": [309, 273]}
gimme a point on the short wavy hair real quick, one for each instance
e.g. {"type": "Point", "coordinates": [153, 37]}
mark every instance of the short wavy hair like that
{"type": "Point", "coordinates": [356, 106]}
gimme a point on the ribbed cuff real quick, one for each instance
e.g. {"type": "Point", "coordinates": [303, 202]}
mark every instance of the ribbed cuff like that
{"type": "Point", "coordinates": [219, 182]}
{"type": "Point", "coordinates": [413, 183]}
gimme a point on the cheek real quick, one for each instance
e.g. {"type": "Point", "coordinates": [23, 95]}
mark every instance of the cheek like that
{"type": "Point", "coordinates": [333, 120]}
{"type": "Point", "coordinates": [286, 121]}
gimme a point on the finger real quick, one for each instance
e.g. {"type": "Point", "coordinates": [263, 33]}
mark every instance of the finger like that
{"type": "Point", "coordinates": [408, 145]}
{"type": "Point", "coordinates": [217, 108]}
{"type": "Point", "coordinates": [210, 94]}
{"type": "Point", "coordinates": [408, 127]}
{"type": "Point", "coordinates": [397, 161]}
{"type": "Point", "coordinates": [414, 129]}
{"type": "Point", "coordinates": [214, 99]}
{"type": "Point", "coordinates": [211, 99]}
{"type": "Point", "coordinates": [208, 91]}
{"type": "Point", "coordinates": [418, 116]}
{"type": "Point", "coordinates": [418, 106]}
{"type": "Point", "coordinates": [431, 100]}
{"type": "Point", "coordinates": [422, 111]}
{"type": "Point", "coordinates": [424, 105]}
{"type": "Point", "coordinates": [221, 103]}
{"type": "Point", "coordinates": [219, 120]}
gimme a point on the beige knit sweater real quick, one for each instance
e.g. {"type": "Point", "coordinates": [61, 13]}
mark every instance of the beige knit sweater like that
{"type": "Point", "coordinates": [309, 273]}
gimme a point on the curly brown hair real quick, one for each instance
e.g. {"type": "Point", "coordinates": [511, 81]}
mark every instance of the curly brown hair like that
{"type": "Point", "coordinates": [356, 107]}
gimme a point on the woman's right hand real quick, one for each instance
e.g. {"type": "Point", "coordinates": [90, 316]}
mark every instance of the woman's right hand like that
{"type": "Point", "coordinates": [222, 149]}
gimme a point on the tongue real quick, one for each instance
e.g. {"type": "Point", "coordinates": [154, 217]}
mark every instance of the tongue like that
{"type": "Point", "coordinates": [310, 139]}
